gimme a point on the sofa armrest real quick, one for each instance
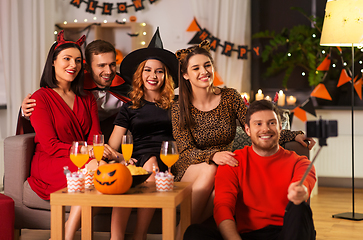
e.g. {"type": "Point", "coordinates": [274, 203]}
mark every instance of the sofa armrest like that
{"type": "Point", "coordinates": [298, 148]}
{"type": "Point", "coordinates": [18, 153]}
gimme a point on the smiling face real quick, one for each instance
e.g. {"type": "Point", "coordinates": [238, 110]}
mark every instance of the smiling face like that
{"type": "Point", "coordinates": [67, 65]}
{"type": "Point", "coordinates": [153, 75]}
{"type": "Point", "coordinates": [200, 71]}
{"type": "Point", "coordinates": [264, 129]}
{"type": "Point", "coordinates": [103, 69]}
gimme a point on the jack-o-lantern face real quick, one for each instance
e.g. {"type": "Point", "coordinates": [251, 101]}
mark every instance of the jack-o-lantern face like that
{"type": "Point", "coordinates": [112, 179]}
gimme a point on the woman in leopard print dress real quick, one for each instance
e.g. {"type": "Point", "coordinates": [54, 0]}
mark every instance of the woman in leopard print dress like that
{"type": "Point", "coordinates": [204, 126]}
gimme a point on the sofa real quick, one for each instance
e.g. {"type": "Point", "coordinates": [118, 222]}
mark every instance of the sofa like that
{"type": "Point", "coordinates": [32, 212]}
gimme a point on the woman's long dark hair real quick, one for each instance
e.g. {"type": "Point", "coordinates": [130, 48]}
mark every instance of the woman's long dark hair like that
{"type": "Point", "coordinates": [48, 78]}
{"type": "Point", "coordinates": [185, 88]}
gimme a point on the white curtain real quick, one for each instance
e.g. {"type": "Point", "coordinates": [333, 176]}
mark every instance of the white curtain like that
{"type": "Point", "coordinates": [229, 20]}
{"type": "Point", "coordinates": [26, 34]}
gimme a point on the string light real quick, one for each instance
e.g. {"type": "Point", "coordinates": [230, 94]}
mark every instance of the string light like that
{"type": "Point", "coordinates": [360, 62]}
{"type": "Point", "coordinates": [85, 20]}
{"type": "Point", "coordinates": [143, 24]}
{"type": "Point", "coordinates": [333, 65]}
{"type": "Point", "coordinates": [55, 32]}
{"type": "Point", "coordinates": [94, 18]}
{"type": "Point", "coordinates": [65, 22]}
{"type": "Point", "coordinates": [75, 20]}
{"type": "Point", "coordinates": [144, 33]}
{"type": "Point", "coordinates": [314, 35]}
{"type": "Point", "coordinates": [345, 63]}
{"type": "Point", "coordinates": [323, 51]}
{"type": "Point", "coordinates": [289, 54]}
{"type": "Point", "coordinates": [124, 19]}
{"type": "Point", "coordinates": [143, 43]}
{"type": "Point", "coordinates": [303, 73]}
{"type": "Point", "coordinates": [105, 21]}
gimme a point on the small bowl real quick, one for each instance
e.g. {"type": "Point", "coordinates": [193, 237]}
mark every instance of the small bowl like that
{"type": "Point", "coordinates": [138, 179]}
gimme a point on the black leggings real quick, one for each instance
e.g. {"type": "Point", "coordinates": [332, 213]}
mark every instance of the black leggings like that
{"type": "Point", "coordinates": [298, 225]}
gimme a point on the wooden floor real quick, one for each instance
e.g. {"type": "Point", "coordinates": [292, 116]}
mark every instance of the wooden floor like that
{"type": "Point", "coordinates": [329, 201]}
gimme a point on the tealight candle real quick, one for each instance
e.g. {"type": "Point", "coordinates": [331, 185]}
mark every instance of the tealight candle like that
{"type": "Point", "coordinates": [291, 100]}
{"type": "Point", "coordinates": [259, 95]}
{"type": "Point", "coordinates": [281, 100]}
{"type": "Point", "coordinates": [245, 95]}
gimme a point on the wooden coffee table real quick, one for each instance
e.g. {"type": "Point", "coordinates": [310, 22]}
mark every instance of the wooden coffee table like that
{"type": "Point", "coordinates": [142, 196]}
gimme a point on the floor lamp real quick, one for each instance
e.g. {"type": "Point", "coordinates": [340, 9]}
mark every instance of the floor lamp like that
{"type": "Point", "coordinates": [343, 26]}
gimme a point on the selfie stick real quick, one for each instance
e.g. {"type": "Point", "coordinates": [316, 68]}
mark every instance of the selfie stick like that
{"type": "Point", "coordinates": [309, 168]}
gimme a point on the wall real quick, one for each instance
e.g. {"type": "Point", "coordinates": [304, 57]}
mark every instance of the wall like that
{"type": "Point", "coordinates": [335, 159]}
{"type": "Point", "coordinates": [171, 16]}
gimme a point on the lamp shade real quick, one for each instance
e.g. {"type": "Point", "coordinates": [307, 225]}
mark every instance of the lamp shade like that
{"type": "Point", "coordinates": [343, 23]}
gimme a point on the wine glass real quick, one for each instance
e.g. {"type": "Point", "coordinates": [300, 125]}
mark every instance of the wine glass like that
{"type": "Point", "coordinates": [169, 153]}
{"type": "Point", "coordinates": [98, 147]}
{"type": "Point", "coordinates": [79, 154]}
{"type": "Point", "coordinates": [127, 146]}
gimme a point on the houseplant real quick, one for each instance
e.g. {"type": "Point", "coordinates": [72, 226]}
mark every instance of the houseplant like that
{"type": "Point", "coordinates": [298, 46]}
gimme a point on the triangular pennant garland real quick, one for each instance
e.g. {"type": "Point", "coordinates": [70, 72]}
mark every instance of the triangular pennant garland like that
{"type": "Point", "coordinates": [325, 64]}
{"type": "Point", "coordinates": [308, 106]}
{"type": "Point", "coordinates": [300, 114]}
{"type": "Point", "coordinates": [193, 27]}
{"type": "Point", "coordinates": [320, 91]}
{"type": "Point", "coordinates": [344, 78]}
{"type": "Point", "coordinates": [217, 79]}
{"type": "Point", "coordinates": [358, 87]}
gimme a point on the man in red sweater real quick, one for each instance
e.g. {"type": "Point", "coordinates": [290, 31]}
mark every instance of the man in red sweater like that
{"type": "Point", "coordinates": [261, 198]}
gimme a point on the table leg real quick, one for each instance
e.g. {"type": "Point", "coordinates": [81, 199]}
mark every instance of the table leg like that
{"type": "Point", "coordinates": [87, 223]}
{"type": "Point", "coordinates": [57, 222]}
{"type": "Point", "coordinates": [169, 223]}
{"type": "Point", "coordinates": [185, 214]}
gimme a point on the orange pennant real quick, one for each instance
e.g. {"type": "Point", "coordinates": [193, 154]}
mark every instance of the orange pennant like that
{"type": "Point", "coordinates": [355, 79]}
{"type": "Point", "coordinates": [217, 79]}
{"type": "Point", "coordinates": [320, 91]}
{"type": "Point", "coordinates": [358, 87]}
{"type": "Point", "coordinates": [340, 50]}
{"type": "Point", "coordinates": [325, 64]}
{"type": "Point", "coordinates": [300, 114]}
{"type": "Point", "coordinates": [344, 78]}
{"type": "Point", "coordinates": [193, 27]}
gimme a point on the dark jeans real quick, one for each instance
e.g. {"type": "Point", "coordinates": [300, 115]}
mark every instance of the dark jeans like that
{"type": "Point", "coordinates": [298, 225]}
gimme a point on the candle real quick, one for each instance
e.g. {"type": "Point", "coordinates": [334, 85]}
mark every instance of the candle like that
{"type": "Point", "coordinates": [291, 100]}
{"type": "Point", "coordinates": [259, 95]}
{"type": "Point", "coordinates": [281, 100]}
{"type": "Point", "coordinates": [245, 95]}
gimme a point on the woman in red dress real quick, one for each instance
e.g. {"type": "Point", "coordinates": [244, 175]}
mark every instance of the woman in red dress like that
{"type": "Point", "coordinates": [64, 114]}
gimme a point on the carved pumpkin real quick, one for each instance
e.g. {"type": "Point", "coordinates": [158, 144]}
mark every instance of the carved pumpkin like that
{"type": "Point", "coordinates": [119, 57]}
{"type": "Point", "coordinates": [112, 178]}
{"type": "Point", "coordinates": [133, 18]}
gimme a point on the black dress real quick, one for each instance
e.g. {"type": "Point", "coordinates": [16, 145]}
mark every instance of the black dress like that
{"type": "Point", "coordinates": [149, 126]}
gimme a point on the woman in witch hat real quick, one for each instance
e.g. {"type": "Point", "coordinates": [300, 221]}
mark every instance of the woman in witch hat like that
{"type": "Point", "coordinates": [64, 114]}
{"type": "Point", "coordinates": [152, 71]}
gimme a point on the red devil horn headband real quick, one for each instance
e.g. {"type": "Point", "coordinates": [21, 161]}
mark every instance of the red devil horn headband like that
{"type": "Point", "coordinates": [61, 41]}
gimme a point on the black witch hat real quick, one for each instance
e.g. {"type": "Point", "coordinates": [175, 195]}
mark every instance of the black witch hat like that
{"type": "Point", "coordinates": [156, 51]}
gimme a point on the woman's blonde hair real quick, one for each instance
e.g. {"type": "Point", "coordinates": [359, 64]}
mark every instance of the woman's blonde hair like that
{"type": "Point", "coordinates": [166, 93]}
